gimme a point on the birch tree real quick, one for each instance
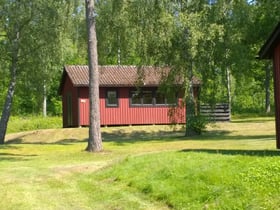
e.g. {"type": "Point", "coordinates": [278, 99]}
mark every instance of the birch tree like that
{"type": "Point", "coordinates": [28, 28]}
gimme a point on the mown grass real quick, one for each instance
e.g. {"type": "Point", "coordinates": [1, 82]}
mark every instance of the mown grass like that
{"type": "Point", "coordinates": [231, 166]}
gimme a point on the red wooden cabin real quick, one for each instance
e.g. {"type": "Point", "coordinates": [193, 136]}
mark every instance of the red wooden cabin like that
{"type": "Point", "coordinates": [129, 95]}
{"type": "Point", "coordinates": [271, 50]}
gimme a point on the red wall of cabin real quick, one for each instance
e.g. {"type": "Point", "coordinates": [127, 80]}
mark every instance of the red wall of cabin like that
{"type": "Point", "coordinates": [83, 106]}
{"type": "Point", "coordinates": [69, 89]}
{"type": "Point", "coordinates": [124, 114]}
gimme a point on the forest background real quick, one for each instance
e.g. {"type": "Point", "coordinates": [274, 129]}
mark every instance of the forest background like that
{"type": "Point", "coordinates": [216, 40]}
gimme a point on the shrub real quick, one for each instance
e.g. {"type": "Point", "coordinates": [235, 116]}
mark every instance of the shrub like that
{"type": "Point", "coordinates": [196, 124]}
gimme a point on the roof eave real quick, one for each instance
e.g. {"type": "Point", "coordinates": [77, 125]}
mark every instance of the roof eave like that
{"type": "Point", "coordinates": [266, 51]}
{"type": "Point", "coordinates": [81, 85]}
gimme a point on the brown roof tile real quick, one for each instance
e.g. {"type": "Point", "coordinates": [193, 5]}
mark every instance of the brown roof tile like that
{"type": "Point", "coordinates": [117, 75]}
{"type": "Point", "coordinates": [120, 76]}
{"type": "Point", "coordinates": [78, 75]}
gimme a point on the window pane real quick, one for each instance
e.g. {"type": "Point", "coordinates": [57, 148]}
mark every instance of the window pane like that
{"type": "Point", "coordinates": [112, 99]}
{"type": "Point", "coordinates": [147, 97]}
{"type": "Point", "coordinates": [135, 97]}
{"type": "Point", "coordinates": [160, 99]}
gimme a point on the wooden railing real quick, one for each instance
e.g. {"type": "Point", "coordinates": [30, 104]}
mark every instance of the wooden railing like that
{"type": "Point", "coordinates": [218, 112]}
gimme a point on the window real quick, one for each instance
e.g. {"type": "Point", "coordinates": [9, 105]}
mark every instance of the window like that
{"type": "Point", "coordinates": [151, 97]}
{"type": "Point", "coordinates": [144, 97]}
{"type": "Point", "coordinates": [160, 99]}
{"type": "Point", "coordinates": [164, 99]}
{"type": "Point", "coordinates": [112, 98]}
{"type": "Point", "coordinates": [136, 98]}
{"type": "Point", "coordinates": [147, 97]}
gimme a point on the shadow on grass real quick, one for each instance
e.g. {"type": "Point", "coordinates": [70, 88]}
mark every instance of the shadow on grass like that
{"type": "Point", "coordinates": [4, 156]}
{"type": "Point", "coordinates": [8, 146]}
{"type": "Point", "coordinates": [167, 136]}
{"type": "Point", "coordinates": [141, 135]}
{"type": "Point", "coordinates": [60, 142]}
{"type": "Point", "coordinates": [126, 136]}
{"type": "Point", "coordinates": [225, 135]}
{"type": "Point", "coordinates": [261, 153]}
{"type": "Point", "coordinates": [120, 136]}
{"type": "Point", "coordinates": [252, 120]}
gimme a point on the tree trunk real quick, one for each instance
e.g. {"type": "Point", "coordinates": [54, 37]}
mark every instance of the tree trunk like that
{"type": "Point", "coordinates": [267, 87]}
{"type": "Point", "coordinates": [8, 103]}
{"type": "Point", "coordinates": [45, 100]}
{"type": "Point", "coordinates": [228, 90]}
{"type": "Point", "coordinates": [94, 140]}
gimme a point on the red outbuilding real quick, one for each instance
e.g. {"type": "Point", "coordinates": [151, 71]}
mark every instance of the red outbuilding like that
{"type": "Point", "coordinates": [129, 95]}
{"type": "Point", "coordinates": [271, 50]}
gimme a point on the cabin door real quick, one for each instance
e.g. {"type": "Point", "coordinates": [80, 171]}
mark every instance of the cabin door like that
{"type": "Point", "coordinates": [84, 111]}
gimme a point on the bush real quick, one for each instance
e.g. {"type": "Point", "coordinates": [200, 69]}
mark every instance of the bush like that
{"type": "Point", "coordinates": [196, 124]}
{"type": "Point", "coordinates": [55, 107]}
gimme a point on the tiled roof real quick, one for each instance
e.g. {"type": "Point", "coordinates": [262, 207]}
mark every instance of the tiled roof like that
{"type": "Point", "coordinates": [119, 76]}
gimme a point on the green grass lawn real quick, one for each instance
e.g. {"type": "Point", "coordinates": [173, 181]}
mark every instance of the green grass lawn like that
{"type": "Point", "coordinates": [231, 166]}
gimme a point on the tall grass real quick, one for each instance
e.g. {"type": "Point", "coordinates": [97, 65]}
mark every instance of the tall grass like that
{"type": "Point", "coordinates": [201, 180]}
{"type": "Point", "coordinates": [27, 123]}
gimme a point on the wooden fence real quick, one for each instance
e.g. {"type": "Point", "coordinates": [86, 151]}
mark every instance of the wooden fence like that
{"type": "Point", "coordinates": [218, 112]}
